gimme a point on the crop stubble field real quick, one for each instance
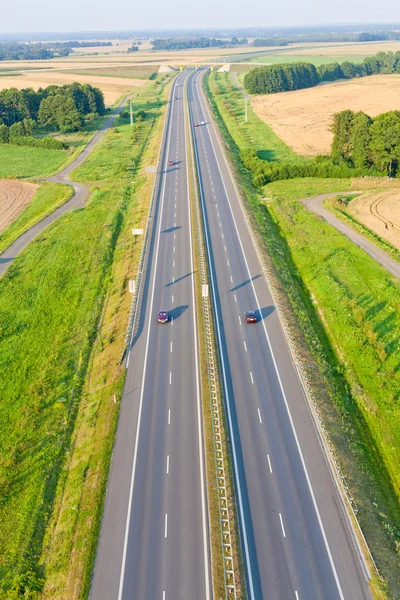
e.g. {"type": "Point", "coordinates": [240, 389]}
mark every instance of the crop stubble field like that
{"type": "Point", "coordinates": [14, 196]}
{"type": "Point", "coordinates": [302, 118]}
{"type": "Point", "coordinates": [379, 211]}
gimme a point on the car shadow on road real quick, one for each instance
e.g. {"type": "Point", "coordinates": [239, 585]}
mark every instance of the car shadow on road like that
{"type": "Point", "coordinates": [262, 313]}
{"type": "Point", "coordinates": [178, 311]}
{"type": "Point", "coordinates": [240, 285]}
{"type": "Point", "coordinates": [171, 229]}
{"type": "Point", "coordinates": [179, 279]}
{"type": "Point", "coordinates": [5, 260]}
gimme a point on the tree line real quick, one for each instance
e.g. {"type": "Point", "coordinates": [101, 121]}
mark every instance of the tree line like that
{"type": "Point", "coordinates": [42, 51]}
{"type": "Point", "coordinates": [58, 108]}
{"type": "Point", "coordinates": [286, 77]}
{"type": "Point", "coordinates": [362, 142]}
{"type": "Point", "coordinates": [198, 42]}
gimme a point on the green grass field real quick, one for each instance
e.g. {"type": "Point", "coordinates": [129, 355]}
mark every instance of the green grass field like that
{"type": "Point", "coordinates": [51, 301]}
{"type": "Point", "coordinates": [25, 162]}
{"type": "Point", "coordinates": [344, 309]}
{"type": "Point", "coordinates": [47, 198]}
{"type": "Point", "coordinates": [253, 134]}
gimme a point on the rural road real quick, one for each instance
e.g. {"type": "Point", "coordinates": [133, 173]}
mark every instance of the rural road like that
{"type": "Point", "coordinates": [295, 538]}
{"type": "Point", "coordinates": [315, 205]}
{"type": "Point", "coordinates": [154, 533]}
{"type": "Point", "coordinates": [80, 192]}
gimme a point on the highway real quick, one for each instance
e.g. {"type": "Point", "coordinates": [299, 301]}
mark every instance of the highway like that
{"type": "Point", "coordinates": [154, 533]}
{"type": "Point", "coordinates": [295, 538]}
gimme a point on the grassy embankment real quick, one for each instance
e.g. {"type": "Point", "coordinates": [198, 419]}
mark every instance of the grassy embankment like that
{"type": "Point", "coordinates": [61, 337]}
{"type": "Point", "coordinates": [344, 314]}
{"type": "Point", "coordinates": [48, 197]}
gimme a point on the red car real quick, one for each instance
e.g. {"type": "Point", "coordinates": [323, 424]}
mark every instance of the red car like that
{"type": "Point", "coordinates": [196, 124]}
{"type": "Point", "coordinates": [250, 316]}
{"type": "Point", "coordinates": [171, 163]}
{"type": "Point", "coordinates": [162, 316]}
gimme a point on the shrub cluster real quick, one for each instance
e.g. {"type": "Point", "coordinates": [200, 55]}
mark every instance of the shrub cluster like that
{"type": "Point", "coordinates": [282, 78]}
{"type": "Point", "coordinates": [322, 166]}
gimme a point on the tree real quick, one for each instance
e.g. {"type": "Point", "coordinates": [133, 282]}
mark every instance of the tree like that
{"type": "Point", "coordinates": [4, 134]}
{"type": "Point", "coordinates": [361, 139]}
{"type": "Point", "coordinates": [342, 125]}
{"type": "Point", "coordinates": [385, 141]}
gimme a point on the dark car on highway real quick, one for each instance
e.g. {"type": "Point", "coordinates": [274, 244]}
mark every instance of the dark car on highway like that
{"type": "Point", "coordinates": [162, 316]}
{"type": "Point", "coordinates": [250, 316]}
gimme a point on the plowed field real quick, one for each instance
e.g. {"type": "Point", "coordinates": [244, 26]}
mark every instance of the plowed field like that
{"type": "Point", "coordinates": [379, 211]}
{"type": "Point", "coordinates": [14, 196]}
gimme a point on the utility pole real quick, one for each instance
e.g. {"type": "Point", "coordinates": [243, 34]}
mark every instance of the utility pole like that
{"type": "Point", "coordinates": [130, 104]}
{"type": "Point", "coordinates": [245, 110]}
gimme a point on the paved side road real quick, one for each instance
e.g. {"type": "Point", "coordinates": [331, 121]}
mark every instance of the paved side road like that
{"type": "Point", "coordinates": [315, 205]}
{"type": "Point", "coordinates": [81, 191]}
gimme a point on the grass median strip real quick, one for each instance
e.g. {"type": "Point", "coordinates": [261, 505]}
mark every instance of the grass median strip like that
{"type": "Point", "coordinates": [342, 309]}
{"type": "Point", "coordinates": [64, 305]}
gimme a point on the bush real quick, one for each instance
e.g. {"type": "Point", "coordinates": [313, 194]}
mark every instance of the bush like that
{"type": "Point", "coordinates": [46, 142]}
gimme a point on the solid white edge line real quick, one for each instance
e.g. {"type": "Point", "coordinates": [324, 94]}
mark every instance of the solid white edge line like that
{"type": "Point", "coordinates": [269, 463]}
{"type": "Point", "coordinates": [283, 528]}
{"type": "Point", "coordinates": [129, 511]}
{"type": "Point", "coordinates": [328, 550]}
{"type": "Point", "coordinates": [198, 394]}
{"type": "Point", "coordinates": [235, 463]}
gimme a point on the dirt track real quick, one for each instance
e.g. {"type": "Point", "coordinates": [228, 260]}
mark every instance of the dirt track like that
{"type": "Point", "coordinates": [14, 196]}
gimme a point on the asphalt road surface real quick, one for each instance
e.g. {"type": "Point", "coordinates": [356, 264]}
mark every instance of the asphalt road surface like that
{"type": "Point", "coordinates": [154, 535]}
{"type": "Point", "coordinates": [295, 538]}
{"type": "Point", "coordinates": [315, 205]}
{"type": "Point", "coordinates": [77, 201]}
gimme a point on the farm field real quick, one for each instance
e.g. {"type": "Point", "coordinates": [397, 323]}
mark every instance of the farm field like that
{"type": "Point", "coordinates": [14, 196]}
{"type": "Point", "coordinates": [302, 118]}
{"type": "Point", "coordinates": [118, 71]}
{"type": "Point", "coordinates": [112, 87]}
{"type": "Point", "coordinates": [380, 212]}
{"type": "Point", "coordinates": [318, 54]}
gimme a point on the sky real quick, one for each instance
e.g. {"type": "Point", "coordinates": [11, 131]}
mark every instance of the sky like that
{"type": "Point", "coordinates": [97, 15]}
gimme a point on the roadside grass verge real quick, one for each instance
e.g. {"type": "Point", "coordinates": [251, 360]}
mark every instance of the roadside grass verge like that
{"type": "Point", "coordinates": [48, 197]}
{"type": "Point", "coordinates": [63, 312]}
{"type": "Point", "coordinates": [343, 314]}
{"type": "Point", "coordinates": [251, 134]}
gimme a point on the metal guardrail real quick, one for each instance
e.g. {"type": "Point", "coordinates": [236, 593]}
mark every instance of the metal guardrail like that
{"type": "Point", "coordinates": [222, 469]}
{"type": "Point", "coordinates": [349, 504]}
